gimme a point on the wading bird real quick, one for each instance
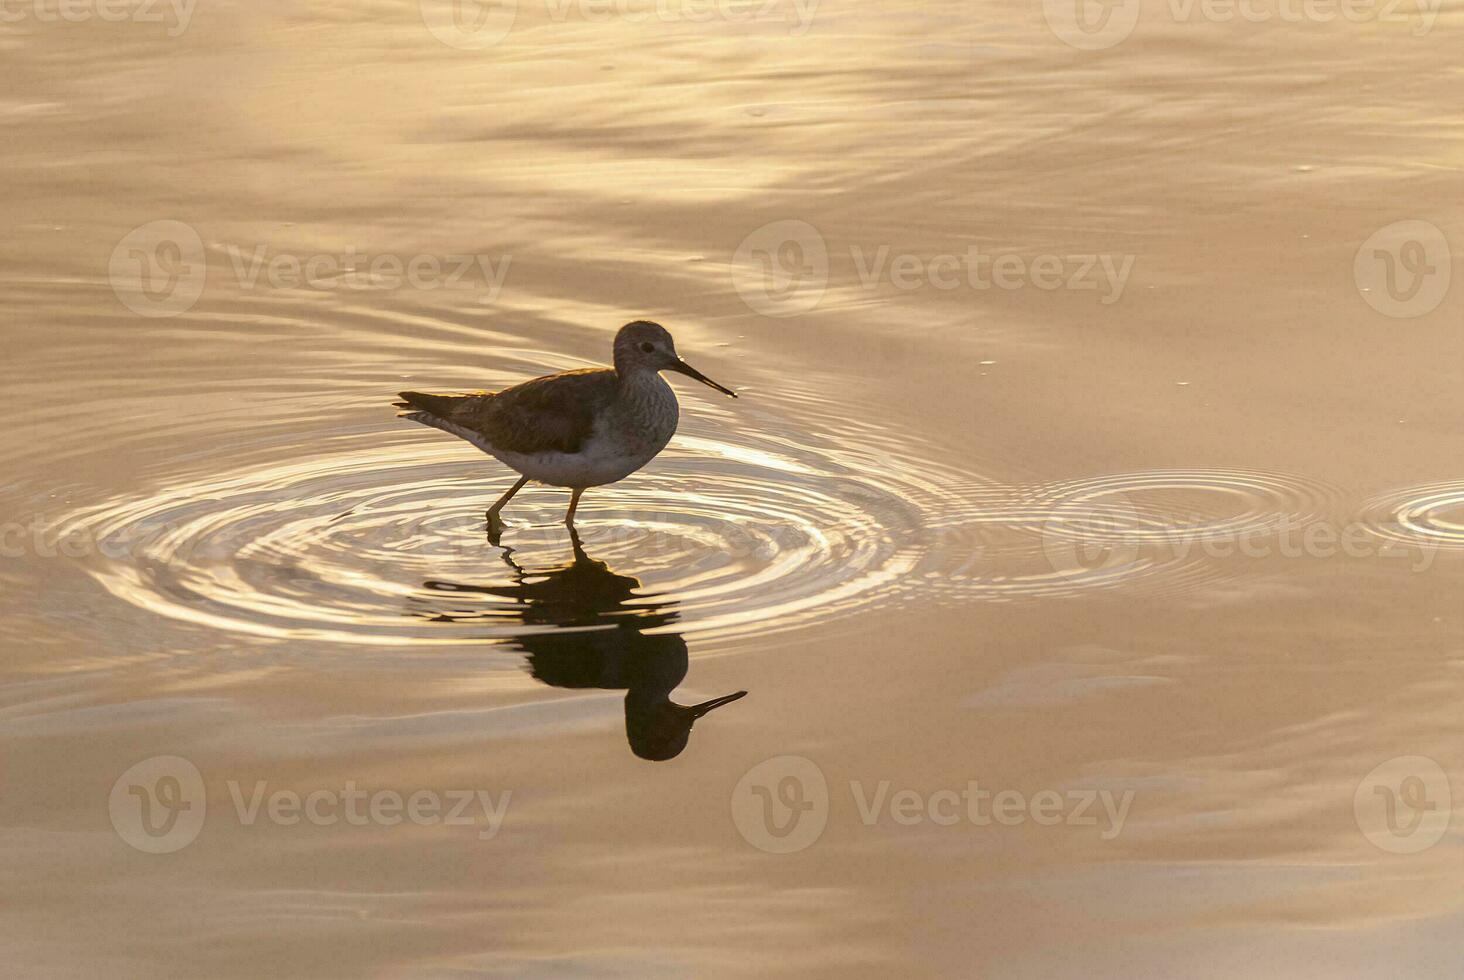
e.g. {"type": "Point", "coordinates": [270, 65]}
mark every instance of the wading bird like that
{"type": "Point", "coordinates": [576, 429]}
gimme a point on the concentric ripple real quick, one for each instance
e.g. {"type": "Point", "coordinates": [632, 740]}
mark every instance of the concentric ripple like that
{"type": "Point", "coordinates": [380, 539]}
{"type": "Point", "coordinates": [346, 545]}
{"type": "Point", "coordinates": [1149, 529]}
{"type": "Point", "coordinates": [1428, 516]}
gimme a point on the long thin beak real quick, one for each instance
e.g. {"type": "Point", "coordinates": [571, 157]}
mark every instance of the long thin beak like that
{"type": "Point", "coordinates": [697, 710]}
{"type": "Point", "coordinates": [691, 372]}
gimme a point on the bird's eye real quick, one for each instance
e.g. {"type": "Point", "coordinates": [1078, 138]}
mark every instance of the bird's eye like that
{"type": "Point", "coordinates": [648, 347]}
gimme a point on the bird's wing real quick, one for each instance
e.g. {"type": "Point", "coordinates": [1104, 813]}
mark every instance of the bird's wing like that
{"type": "Point", "coordinates": [551, 414]}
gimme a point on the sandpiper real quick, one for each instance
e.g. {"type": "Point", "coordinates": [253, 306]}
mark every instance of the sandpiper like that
{"type": "Point", "coordinates": [575, 429]}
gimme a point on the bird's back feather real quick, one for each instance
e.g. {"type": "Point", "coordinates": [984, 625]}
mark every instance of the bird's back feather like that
{"type": "Point", "coordinates": [551, 414]}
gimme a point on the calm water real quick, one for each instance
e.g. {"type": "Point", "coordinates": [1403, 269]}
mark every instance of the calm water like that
{"type": "Point", "coordinates": [1098, 446]}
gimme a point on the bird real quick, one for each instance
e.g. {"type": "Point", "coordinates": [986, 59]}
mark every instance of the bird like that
{"type": "Point", "coordinates": [575, 429]}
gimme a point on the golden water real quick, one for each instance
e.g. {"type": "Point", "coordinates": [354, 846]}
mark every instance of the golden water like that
{"type": "Point", "coordinates": [1166, 501]}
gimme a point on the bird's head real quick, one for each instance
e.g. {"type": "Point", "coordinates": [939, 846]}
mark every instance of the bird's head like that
{"type": "Point", "coordinates": [646, 346]}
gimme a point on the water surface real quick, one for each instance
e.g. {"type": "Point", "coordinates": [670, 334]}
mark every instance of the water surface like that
{"type": "Point", "coordinates": [1179, 517]}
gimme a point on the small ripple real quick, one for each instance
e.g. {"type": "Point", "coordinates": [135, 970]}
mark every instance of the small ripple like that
{"type": "Point", "coordinates": [1429, 515]}
{"type": "Point", "coordinates": [1141, 530]}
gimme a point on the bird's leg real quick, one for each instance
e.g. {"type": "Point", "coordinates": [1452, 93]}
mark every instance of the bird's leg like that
{"type": "Point", "coordinates": [573, 503]}
{"type": "Point", "coordinates": [495, 524]}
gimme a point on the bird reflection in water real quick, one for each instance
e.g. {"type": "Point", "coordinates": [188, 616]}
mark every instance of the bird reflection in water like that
{"type": "Point", "coordinates": [600, 642]}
